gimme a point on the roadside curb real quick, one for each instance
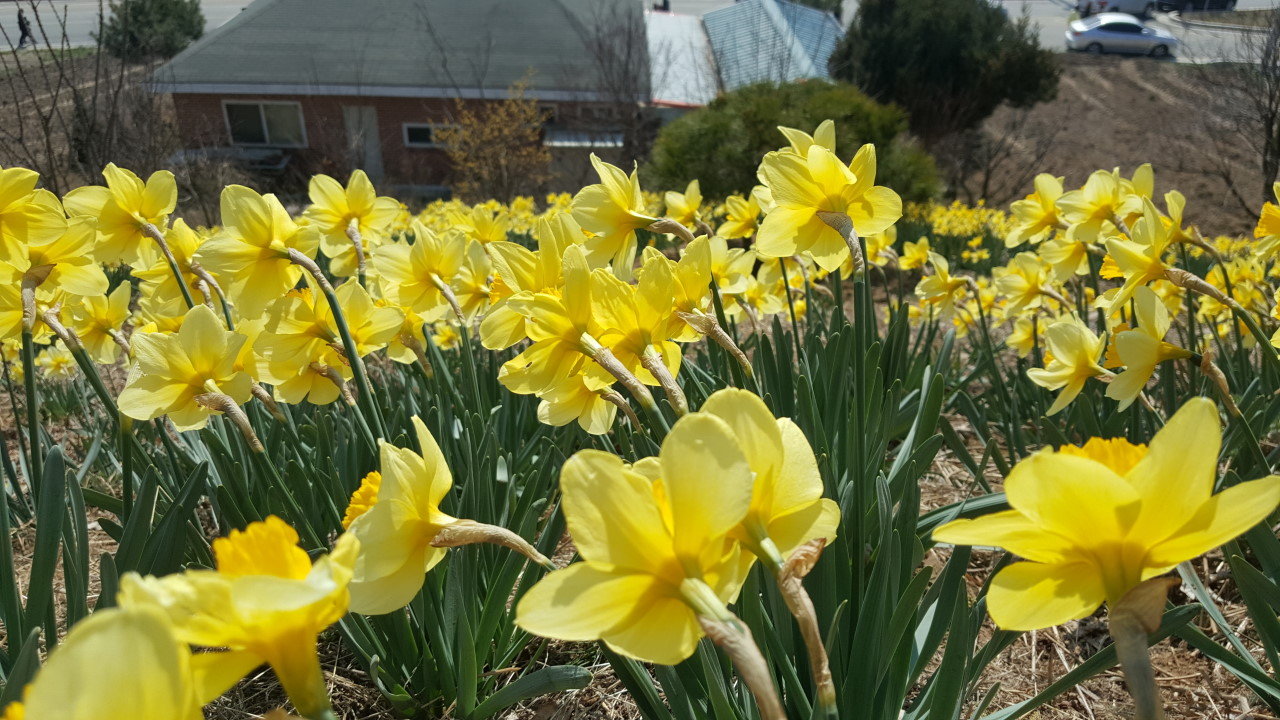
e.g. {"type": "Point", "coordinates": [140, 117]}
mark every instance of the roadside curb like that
{"type": "Point", "coordinates": [1177, 16]}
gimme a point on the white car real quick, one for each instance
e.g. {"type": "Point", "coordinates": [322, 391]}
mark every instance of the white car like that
{"type": "Point", "coordinates": [1141, 8]}
{"type": "Point", "coordinates": [1119, 33]}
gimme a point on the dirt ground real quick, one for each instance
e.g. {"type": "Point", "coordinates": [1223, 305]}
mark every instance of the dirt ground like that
{"type": "Point", "coordinates": [1117, 111]}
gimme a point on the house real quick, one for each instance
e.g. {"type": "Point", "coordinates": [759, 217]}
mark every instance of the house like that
{"type": "Point", "coordinates": [369, 83]}
{"type": "Point", "coordinates": [693, 59]}
{"type": "Point", "coordinates": [771, 41]}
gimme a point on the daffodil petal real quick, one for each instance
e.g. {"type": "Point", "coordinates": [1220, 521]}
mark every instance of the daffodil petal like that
{"type": "Point", "coordinates": [1223, 517]}
{"type": "Point", "coordinates": [1030, 596]}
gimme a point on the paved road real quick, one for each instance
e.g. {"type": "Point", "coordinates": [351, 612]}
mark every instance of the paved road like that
{"type": "Point", "coordinates": [1199, 44]}
{"type": "Point", "coordinates": [82, 17]}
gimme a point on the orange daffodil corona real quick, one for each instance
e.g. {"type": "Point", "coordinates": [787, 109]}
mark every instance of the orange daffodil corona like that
{"type": "Point", "coordinates": [1093, 522]}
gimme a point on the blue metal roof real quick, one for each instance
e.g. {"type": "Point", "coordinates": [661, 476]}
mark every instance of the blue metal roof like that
{"type": "Point", "coordinates": [771, 40]}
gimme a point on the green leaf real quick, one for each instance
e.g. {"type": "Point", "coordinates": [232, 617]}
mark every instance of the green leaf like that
{"type": "Point", "coordinates": [50, 512]}
{"type": "Point", "coordinates": [536, 684]}
{"type": "Point", "coordinates": [23, 670]}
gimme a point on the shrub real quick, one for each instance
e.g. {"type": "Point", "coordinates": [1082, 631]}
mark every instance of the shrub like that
{"type": "Point", "coordinates": [142, 29]}
{"type": "Point", "coordinates": [721, 144]}
{"type": "Point", "coordinates": [948, 63]}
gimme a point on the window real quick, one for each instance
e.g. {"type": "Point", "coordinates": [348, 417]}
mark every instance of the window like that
{"type": "Point", "coordinates": [275, 124]}
{"type": "Point", "coordinates": [1128, 28]}
{"type": "Point", "coordinates": [423, 135]}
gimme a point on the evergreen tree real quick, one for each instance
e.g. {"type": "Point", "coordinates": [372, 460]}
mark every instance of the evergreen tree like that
{"type": "Point", "coordinates": [948, 63]}
{"type": "Point", "coordinates": [148, 29]}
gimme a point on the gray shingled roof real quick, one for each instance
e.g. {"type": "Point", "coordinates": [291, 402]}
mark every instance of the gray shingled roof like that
{"type": "Point", "coordinates": [397, 47]}
{"type": "Point", "coordinates": [771, 40]}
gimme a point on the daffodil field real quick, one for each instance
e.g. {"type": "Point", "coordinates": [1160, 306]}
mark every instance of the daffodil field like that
{"type": "Point", "coordinates": [495, 450]}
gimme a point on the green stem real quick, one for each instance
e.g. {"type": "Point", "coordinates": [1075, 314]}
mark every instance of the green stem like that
{"type": "Point", "coordinates": [36, 464]}
{"type": "Point", "coordinates": [366, 400]}
{"type": "Point", "coordinates": [154, 233]}
{"type": "Point", "coordinates": [1131, 648]}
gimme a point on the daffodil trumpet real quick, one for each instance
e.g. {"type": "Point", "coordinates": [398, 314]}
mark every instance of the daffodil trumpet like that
{"type": "Point", "coordinates": [153, 232]}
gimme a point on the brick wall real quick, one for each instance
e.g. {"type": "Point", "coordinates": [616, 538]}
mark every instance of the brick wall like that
{"type": "Point", "coordinates": [202, 123]}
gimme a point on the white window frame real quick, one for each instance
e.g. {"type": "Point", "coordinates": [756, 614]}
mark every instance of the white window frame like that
{"type": "Point", "coordinates": [302, 122]}
{"type": "Point", "coordinates": [404, 134]}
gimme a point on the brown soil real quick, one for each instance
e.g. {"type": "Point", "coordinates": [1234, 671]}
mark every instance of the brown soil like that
{"type": "Point", "coordinates": [1112, 111]}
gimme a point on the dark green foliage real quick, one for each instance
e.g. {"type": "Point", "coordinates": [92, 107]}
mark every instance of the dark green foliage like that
{"type": "Point", "coordinates": [948, 63]}
{"type": "Point", "coordinates": [148, 29]}
{"type": "Point", "coordinates": [721, 144]}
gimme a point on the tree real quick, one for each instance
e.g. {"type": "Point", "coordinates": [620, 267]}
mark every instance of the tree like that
{"type": "Point", "coordinates": [496, 147]}
{"type": "Point", "coordinates": [721, 144]}
{"type": "Point", "coordinates": [151, 29]}
{"type": "Point", "coordinates": [948, 63]}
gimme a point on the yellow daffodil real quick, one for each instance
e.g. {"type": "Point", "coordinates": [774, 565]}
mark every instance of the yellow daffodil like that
{"type": "Point", "coordinates": [804, 186]}
{"type": "Point", "coordinates": [151, 675]}
{"type": "Point", "coordinates": [174, 371]}
{"type": "Point", "coordinates": [787, 508]}
{"type": "Point", "coordinates": [122, 209]}
{"type": "Point", "coordinates": [99, 321]}
{"type": "Point", "coordinates": [483, 225]}
{"type": "Point", "coordinates": [250, 256]}
{"type": "Point", "coordinates": [516, 270]}
{"type": "Point", "coordinates": [636, 321]}
{"type": "Point", "coordinates": [417, 275]}
{"type": "Point", "coordinates": [64, 264]}
{"type": "Point", "coordinates": [1140, 350]}
{"type": "Point", "coordinates": [338, 212]}
{"type": "Point", "coordinates": [1024, 283]}
{"type": "Point", "coordinates": [57, 363]}
{"type": "Point", "coordinates": [1037, 214]}
{"type": "Point", "coordinates": [1140, 260]}
{"type": "Point", "coordinates": [266, 602]}
{"type": "Point", "coordinates": [742, 215]}
{"type": "Point", "coordinates": [1094, 522]}
{"type": "Point", "coordinates": [1022, 337]}
{"type": "Point", "coordinates": [655, 544]}
{"type": "Point", "coordinates": [398, 524]}
{"type": "Point", "coordinates": [824, 135]}
{"type": "Point", "coordinates": [939, 291]}
{"type": "Point", "coordinates": [611, 211]}
{"type": "Point", "coordinates": [1074, 352]}
{"type": "Point", "coordinates": [1268, 228]}
{"type": "Point", "coordinates": [914, 254]}
{"type": "Point", "coordinates": [1091, 210]}
{"type": "Point", "coordinates": [685, 208]}
{"type": "Point", "coordinates": [580, 397]}
{"type": "Point", "coordinates": [1067, 258]}
{"type": "Point", "coordinates": [157, 278]}
{"type": "Point", "coordinates": [27, 215]}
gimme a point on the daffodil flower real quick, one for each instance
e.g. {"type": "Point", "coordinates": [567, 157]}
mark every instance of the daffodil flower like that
{"type": "Point", "coordinates": [742, 215]}
{"type": "Point", "coordinates": [266, 602]}
{"type": "Point", "coordinates": [346, 216]}
{"type": "Point", "coordinates": [57, 363]}
{"type": "Point", "coordinates": [520, 271]}
{"type": "Point", "coordinates": [611, 211]}
{"type": "Point", "coordinates": [1093, 522]}
{"type": "Point", "coordinates": [417, 275]}
{"type": "Point", "coordinates": [656, 545]}
{"type": "Point", "coordinates": [401, 530]}
{"type": "Point", "coordinates": [151, 674]}
{"type": "Point", "coordinates": [940, 290]}
{"type": "Point", "coordinates": [1024, 283]}
{"type": "Point", "coordinates": [1074, 352]}
{"type": "Point", "coordinates": [64, 263]}
{"type": "Point", "coordinates": [1091, 211]}
{"type": "Point", "coordinates": [1140, 350]}
{"type": "Point", "coordinates": [1037, 213]}
{"type": "Point", "coordinates": [583, 398]}
{"type": "Point", "coordinates": [806, 189]}
{"type": "Point", "coordinates": [685, 208]}
{"type": "Point", "coordinates": [157, 279]}
{"type": "Point", "coordinates": [914, 254]}
{"type": "Point", "coordinates": [1140, 260]}
{"type": "Point", "coordinates": [27, 215]}
{"type": "Point", "coordinates": [122, 209]}
{"type": "Point", "coordinates": [250, 256]}
{"type": "Point", "coordinates": [173, 372]}
{"type": "Point", "coordinates": [637, 323]}
{"type": "Point", "coordinates": [99, 321]}
{"type": "Point", "coordinates": [1267, 230]}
